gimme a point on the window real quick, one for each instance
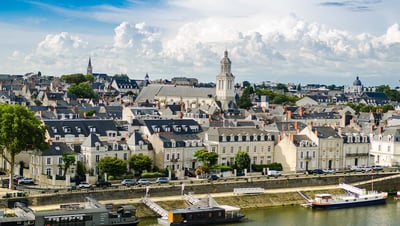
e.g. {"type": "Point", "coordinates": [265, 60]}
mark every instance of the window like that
{"type": "Point", "coordinates": [48, 161]}
{"type": "Point", "coordinates": [97, 158]}
{"type": "Point", "coordinates": [48, 171]}
{"type": "Point", "coordinates": [60, 161]}
{"type": "Point", "coordinates": [269, 148]}
{"type": "Point", "coordinates": [223, 150]}
{"type": "Point", "coordinates": [125, 156]}
{"type": "Point", "coordinates": [167, 156]}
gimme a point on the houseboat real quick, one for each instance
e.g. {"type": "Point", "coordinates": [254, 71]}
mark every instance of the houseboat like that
{"type": "Point", "coordinates": [92, 213]}
{"type": "Point", "coordinates": [204, 212]}
{"type": "Point", "coordinates": [355, 197]}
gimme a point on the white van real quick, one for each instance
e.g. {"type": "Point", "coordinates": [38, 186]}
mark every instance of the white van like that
{"type": "Point", "coordinates": [274, 173]}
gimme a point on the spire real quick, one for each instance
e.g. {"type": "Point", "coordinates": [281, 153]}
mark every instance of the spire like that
{"type": "Point", "coordinates": [89, 67]}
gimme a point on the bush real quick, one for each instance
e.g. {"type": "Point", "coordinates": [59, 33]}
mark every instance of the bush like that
{"type": "Point", "coordinates": [272, 166]}
{"type": "Point", "coordinates": [223, 168]}
{"type": "Point", "coordinates": [152, 175]}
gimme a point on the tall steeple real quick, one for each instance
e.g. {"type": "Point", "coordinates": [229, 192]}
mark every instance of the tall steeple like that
{"type": "Point", "coordinates": [89, 67]}
{"type": "Point", "coordinates": [225, 83]}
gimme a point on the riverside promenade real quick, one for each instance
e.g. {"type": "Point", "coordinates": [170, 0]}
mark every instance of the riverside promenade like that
{"type": "Point", "coordinates": [178, 197]}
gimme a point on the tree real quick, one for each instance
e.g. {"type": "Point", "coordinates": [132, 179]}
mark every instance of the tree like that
{"type": "Point", "coordinates": [281, 86]}
{"type": "Point", "coordinates": [82, 90]}
{"type": "Point", "coordinates": [244, 100]}
{"type": "Point", "coordinates": [68, 159]}
{"type": "Point", "coordinates": [73, 78]}
{"type": "Point", "coordinates": [20, 131]}
{"type": "Point", "coordinates": [140, 162]}
{"type": "Point", "coordinates": [80, 170]}
{"type": "Point", "coordinates": [112, 166]}
{"type": "Point", "coordinates": [242, 160]}
{"type": "Point", "coordinates": [208, 158]}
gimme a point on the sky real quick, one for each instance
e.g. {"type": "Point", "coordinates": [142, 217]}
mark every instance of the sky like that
{"type": "Point", "coordinates": [287, 41]}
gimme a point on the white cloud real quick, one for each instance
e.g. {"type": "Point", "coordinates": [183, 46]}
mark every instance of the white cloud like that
{"type": "Point", "coordinates": [259, 40]}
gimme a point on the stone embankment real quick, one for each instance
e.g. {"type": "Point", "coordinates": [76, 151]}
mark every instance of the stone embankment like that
{"type": "Point", "coordinates": [278, 191]}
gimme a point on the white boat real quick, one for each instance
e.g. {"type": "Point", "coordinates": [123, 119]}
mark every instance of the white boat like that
{"type": "Point", "coordinates": [355, 197]}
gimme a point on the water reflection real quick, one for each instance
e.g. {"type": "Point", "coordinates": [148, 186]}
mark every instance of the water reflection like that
{"type": "Point", "coordinates": [379, 215]}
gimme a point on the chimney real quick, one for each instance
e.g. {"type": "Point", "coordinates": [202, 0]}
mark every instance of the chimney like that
{"type": "Point", "coordinates": [289, 114]}
{"type": "Point", "coordinates": [296, 125]}
{"type": "Point", "coordinates": [279, 138]}
{"type": "Point", "coordinates": [301, 111]}
{"type": "Point", "coordinates": [316, 132]}
{"type": "Point", "coordinates": [310, 125]}
{"type": "Point", "coordinates": [291, 136]}
{"type": "Point", "coordinates": [380, 129]}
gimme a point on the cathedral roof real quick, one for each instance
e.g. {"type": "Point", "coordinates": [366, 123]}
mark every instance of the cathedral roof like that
{"type": "Point", "coordinates": [357, 82]}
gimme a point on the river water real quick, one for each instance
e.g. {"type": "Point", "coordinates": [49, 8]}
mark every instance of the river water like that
{"type": "Point", "coordinates": [378, 215]}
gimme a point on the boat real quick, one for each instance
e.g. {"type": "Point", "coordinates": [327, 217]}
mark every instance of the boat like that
{"type": "Point", "coordinates": [91, 213]}
{"type": "Point", "coordinates": [205, 211]}
{"type": "Point", "coordinates": [355, 197]}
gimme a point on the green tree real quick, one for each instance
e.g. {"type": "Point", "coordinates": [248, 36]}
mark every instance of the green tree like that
{"type": "Point", "coordinates": [281, 86]}
{"type": "Point", "coordinates": [246, 84]}
{"type": "Point", "coordinates": [20, 131]}
{"type": "Point", "coordinates": [140, 162]}
{"type": "Point", "coordinates": [245, 100]}
{"type": "Point", "coordinates": [242, 159]}
{"type": "Point", "coordinates": [80, 169]}
{"type": "Point", "coordinates": [73, 78]}
{"type": "Point", "coordinates": [112, 166]}
{"type": "Point", "coordinates": [206, 157]}
{"type": "Point", "coordinates": [82, 90]}
{"type": "Point", "coordinates": [68, 159]}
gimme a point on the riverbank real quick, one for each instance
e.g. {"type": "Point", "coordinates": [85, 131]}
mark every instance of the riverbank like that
{"type": "Point", "coordinates": [277, 192]}
{"type": "Point", "coordinates": [270, 198]}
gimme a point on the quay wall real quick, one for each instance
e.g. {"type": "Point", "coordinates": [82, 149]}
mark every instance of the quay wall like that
{"type": "Point", "coordinates": [224, 185]}
{"type": "Point", "coordinates": [175, 189]}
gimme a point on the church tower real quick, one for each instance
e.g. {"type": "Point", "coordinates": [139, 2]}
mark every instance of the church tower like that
{"type": "Point", "coordinates": [89, 67]}
{"type": "Point", "coordinates": [225, 89]}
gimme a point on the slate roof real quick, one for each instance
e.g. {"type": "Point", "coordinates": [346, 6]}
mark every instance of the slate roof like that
{"type": "Point", "coordinates": [325, 132]}
{"type": "Point", "coordinates": [91, 140]}
{"type": "Point", "coordinates": [151, 91]}
{"type": "Point", "coordinates": [56, 149]}
{"type": "Point", "coordinates": [78, 126]}
{"type": "Point", "coordinates": [177, 126]}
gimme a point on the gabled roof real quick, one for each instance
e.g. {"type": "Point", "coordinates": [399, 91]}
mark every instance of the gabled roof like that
{"type": "Point", "coordinates": [325, 132]}
{"type": "Point", "coordinates": [56, 149]}
{"type": "Point", "coordinates": [177, 126]}
{"type": "Point", "coordinates": [91, 140]}
{"type": "Point", "coordinates": [79, 126]}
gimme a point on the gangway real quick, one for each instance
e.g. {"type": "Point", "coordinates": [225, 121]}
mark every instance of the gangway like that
{"type": "Point", "coordinates": [308, 199]}
{"type": "Point", "coordinates": [352, 189]}
{"type": "Point", "coordinates": [190, 199]}
{"type": "Point", "coordinates": [155, 207]}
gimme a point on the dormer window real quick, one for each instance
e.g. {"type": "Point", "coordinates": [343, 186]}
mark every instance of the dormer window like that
{"type": "Point", "coordinates": [54, 129]}
{"type": "Point", "coordinates": [78, 129]}
{"type": "Point", "coordinates": [67, 129]}
{"type": "Point", "coordinates": [92, 129]}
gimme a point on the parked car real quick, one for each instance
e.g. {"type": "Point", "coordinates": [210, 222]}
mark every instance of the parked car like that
{"type": "Point", "coordinates": [328, 170]}
{"type": "Point", "coordinates": [213, 177]}
{"type": "Point", "coordinates": [377, 168]}
{"type": "Point", "coordinates": [143, 181]}
{"type": "Point", "coordinates": [356, 168]}
{"type": "Point", "coordinates": [16, 178]}
{"type": "Point", "coordinates": [84, 185]}
{"type": "Point", "coordinates": [162, 180]}
{"type": "Point", "coordinates": [128, 182]}
{"type": "Point", "coordinates": [26, 180]}
{"type": "Point", "coordinates": [315, 171]}
{"type": "Point", "coordinates": [103, 184]}
{"type": "Point", "coordinates": [274, 173]}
